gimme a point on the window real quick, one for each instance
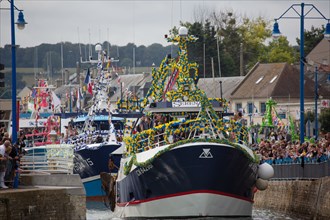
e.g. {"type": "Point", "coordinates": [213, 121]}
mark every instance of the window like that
{"type": "Point", "coordinates": [238, 107]}
{"type": "Point", "coordinates": [262, 107]}
{"type": "Point", "coordinates": [282, 115]}
{"type": "Point", "coordinates": [273, 79]}
{"type": "Point", "coordinates": [259, 80]}
{"type": "Point", "coordinates": [250, 107]}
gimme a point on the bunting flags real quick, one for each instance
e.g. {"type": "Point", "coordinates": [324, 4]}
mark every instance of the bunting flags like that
{"type": "Point", "coordinates": [89, 83]}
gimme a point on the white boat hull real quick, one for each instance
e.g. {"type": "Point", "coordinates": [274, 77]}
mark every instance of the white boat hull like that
{"type": "Point", "coordinates": [190, 205]}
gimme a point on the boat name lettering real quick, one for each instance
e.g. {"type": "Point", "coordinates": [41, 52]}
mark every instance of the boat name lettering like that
{"type": "Point", "coordinates": [143, 170]}
{"type": "Point", "coordinates": [80, 164]}
{"type": "Point", "coordinates": [32, 123]}
{"type": "Point", "coordinates": [186, 104]}
{"type": "Point", "coordinates": [89, 162]}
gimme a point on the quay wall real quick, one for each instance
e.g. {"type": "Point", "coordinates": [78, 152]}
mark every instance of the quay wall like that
{"type": "Point", "coordinates": [44, 197]}
{"type": "Point", "coordinates": [307, 199]}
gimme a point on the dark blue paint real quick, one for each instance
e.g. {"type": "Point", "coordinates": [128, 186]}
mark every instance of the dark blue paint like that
{"type": "Point", "coordinates": [181, 170]}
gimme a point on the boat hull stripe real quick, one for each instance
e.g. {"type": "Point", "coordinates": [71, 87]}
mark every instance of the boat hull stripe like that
{"type": "Point", "coordinates": [135, 202]}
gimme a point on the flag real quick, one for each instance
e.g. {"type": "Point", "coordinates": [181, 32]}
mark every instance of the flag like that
{"type": "Point", "coordinates": [89, 83]}
{"type": "Point", "coordinates": [34, 93]}
{"type": "Point", "coordinates": [56, 102]}
{"type": "Point", "coordinates": [88, 76]}
{"type": "Point", "coordinates": [79, 97]}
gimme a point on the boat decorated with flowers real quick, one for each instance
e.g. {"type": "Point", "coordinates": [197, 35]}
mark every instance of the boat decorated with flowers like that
{"type": "Point", "coordinates": [184, 159]}
{"type": "Point", "coordinates": [95, 135]}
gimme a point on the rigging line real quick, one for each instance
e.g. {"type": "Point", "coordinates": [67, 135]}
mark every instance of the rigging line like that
{"type": "Point", "coordinates": [79, 44]}
{"type": "Point", "coordinates": [171, 26]}
{"type": "Point", "coordinates": [108, 44]}
{"type": "Point", "coordinates": [180, 10]}
{"type": "Point", "coordinates": [133, 16]}
{"type": "Point", "coordinates": [133, 20]}
{"type": "Point", "coordinates": [90, 46]}
{"type": "Point", "coordinates": [0, 26]}
{"type": "Point", "coordinates": [203, 22]}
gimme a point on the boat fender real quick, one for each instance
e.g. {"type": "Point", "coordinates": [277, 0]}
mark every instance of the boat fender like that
{"type": "Point", "coordinates": [261, 184]}
{"type": "Point", "coordinates": [265, 171]}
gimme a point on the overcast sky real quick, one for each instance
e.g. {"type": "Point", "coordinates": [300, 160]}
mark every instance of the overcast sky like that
{"type": "Point", "coordinates": [139, 22]}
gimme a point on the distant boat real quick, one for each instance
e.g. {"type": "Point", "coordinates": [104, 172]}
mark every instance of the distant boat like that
{"type": "Point", "coordinates": [38, 119]}
{"type": "Point", "coordinates": [189, 162]}
{"type": "Point", "coordinates": [96, 135]}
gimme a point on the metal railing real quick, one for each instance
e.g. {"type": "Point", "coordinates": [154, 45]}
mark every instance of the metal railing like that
{"type": "Point", "coordinates": [48, 159]}
{"type": "Point", "coordinates": [301, 171]}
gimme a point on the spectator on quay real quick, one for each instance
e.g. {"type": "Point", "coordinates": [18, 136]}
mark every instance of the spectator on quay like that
{"type": "Point", "coordinates": [12, 164]}
{"type": "Point", "coordinates": [3, 162]}
{"type": "Point", "coordinates": [6, 137]}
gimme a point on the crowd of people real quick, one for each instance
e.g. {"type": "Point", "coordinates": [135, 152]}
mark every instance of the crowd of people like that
{"type": "Point", "coordinates": [283, 151]}
{"type": "Point", "coordinates": [9, 159]}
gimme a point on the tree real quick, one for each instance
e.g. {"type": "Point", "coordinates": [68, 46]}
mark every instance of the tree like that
{"type": "Point", "coordinates": [277, 51]}
{"type": "Point", "coordinates": [312, 38]}
{"type": "Point", "coordinates": [229, 31]}
{"type": "Point", "coordinates": [254, 33]}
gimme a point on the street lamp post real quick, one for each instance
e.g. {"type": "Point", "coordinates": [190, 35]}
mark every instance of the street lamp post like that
{"type": "Point", "coordinates": [316, 98]}
{"type": "Point", "coordinates": [220, 89]}
{"type": "Point", "coordinates": [20, 25]}
{"type": "Point", "coordinates": [277, 33]}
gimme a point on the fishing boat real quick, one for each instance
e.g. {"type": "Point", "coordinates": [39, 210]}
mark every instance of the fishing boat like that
{"type": "Point", "coordinates": [38, 119]}
{"type": "Point", "coordinates": [95, 135]}
{"type": "Point", "coordinates": [40, 130]}
{"type": "Point", "coordinates": [187, 161]}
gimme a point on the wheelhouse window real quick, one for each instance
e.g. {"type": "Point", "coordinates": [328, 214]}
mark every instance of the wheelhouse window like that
{"type": "Point", "coordinates": [262, 107]}
{"type": "Point", "coordinates": [250, 107]}
{"type": "Point", "coordinates": [238, 107]}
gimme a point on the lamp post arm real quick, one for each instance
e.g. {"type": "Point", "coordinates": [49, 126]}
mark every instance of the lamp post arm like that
{"type": "Point", "coordinates": [302, 14]}
{"type": "Point", "coordinates": [12, 1]}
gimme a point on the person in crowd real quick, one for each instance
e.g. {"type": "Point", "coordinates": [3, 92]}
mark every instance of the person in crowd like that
{"type": "Point", "coordinates": [12, 164]}
{"type": "Point", "coordinates": [3, 162]}
{"type": "Point", "coordinates": [6, 137]}
{"type": "Point", "coordinates": [141, 126]}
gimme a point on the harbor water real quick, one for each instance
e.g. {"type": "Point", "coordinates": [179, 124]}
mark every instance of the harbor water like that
{"type": "Point", "coordinates": [98, 211]}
